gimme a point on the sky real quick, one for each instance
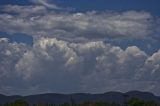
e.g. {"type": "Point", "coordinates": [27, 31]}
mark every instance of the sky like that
{"type": "Point", "coordinates": [79, 46]}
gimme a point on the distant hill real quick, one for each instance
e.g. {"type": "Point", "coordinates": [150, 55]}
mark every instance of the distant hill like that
{"type": "Point", "coordinates": [109, 97]}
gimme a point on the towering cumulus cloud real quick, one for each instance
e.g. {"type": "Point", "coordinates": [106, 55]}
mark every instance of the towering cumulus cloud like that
{"type": "Point", "coordinates": [53, 65]}
{"type": "Point", "coordinates": [70, 52]}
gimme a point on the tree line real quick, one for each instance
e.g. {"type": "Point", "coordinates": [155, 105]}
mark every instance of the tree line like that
{"type": "Point", "coordinates": [131, 102]}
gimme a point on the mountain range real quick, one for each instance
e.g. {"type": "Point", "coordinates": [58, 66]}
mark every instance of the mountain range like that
{"type": "Point", "coordinates": [108, 97]}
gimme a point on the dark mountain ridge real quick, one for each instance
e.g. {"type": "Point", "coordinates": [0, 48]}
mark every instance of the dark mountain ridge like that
{"type": "Point", "coordinates": [55, 98]}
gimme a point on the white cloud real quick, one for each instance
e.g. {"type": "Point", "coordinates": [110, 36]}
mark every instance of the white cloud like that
{"type": "Point", "coordinates": [9, 53]}
{"type": "Point", "coordinates": [21, 10]}
{"type": "Point", "coordinates": [68, 52]}
{"type": "Point", "coordinates": [90, 25]}
{"type": "Point", "coordinates": [46, 55]}
{"type": "Point", "coordinates": [46, 4]}
{"type": "Point", "coordinates": [53, 65]}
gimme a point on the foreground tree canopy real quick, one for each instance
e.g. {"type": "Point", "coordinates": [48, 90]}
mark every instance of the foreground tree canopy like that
{"type": "Point", "coordinates": [131, 102]}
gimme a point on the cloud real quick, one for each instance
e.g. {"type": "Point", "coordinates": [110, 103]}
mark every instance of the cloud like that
{"type": "Point", "coordinates": [10, 53]}
{"type": "Point", "coordinates": [22, 9]}
{"type": "Point", "coordinates": [46, 4]}
{"type": "Point", "coordinates": [53, 65]}
{"type": "Point", "coordinates": [69, 53]}
{"type": "Point", "coordinates": [75, 26]}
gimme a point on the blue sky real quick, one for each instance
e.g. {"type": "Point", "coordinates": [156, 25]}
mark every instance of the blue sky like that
{"type": "Point", "coordinates": [101, 5]}
{"type": "Point", "coordinates": [68, 46]}
{"type": "Point", "coordinates": [114, 5]}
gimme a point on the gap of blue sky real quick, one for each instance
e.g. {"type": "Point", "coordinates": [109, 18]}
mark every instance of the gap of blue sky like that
{"type": "Point", "coordinates": [152, 6]}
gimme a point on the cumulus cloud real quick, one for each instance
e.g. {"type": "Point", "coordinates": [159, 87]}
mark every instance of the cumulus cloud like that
{"type": "Point", "coordinates": [65, 25]}
{"type": "Point", "coordinates": [53, 65]}
{"type": "Point", "coordinates": [69, 53]}
{"type": "Point", "coordinates": [10, 53]}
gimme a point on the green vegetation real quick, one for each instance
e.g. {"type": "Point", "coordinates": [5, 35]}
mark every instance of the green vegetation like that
{"type": "Point", "coordinates": [131, 102]}
{"type": "Point", "coordinates": [17, 103]}
{"type": "Point", "coordinates": [137, 102]}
